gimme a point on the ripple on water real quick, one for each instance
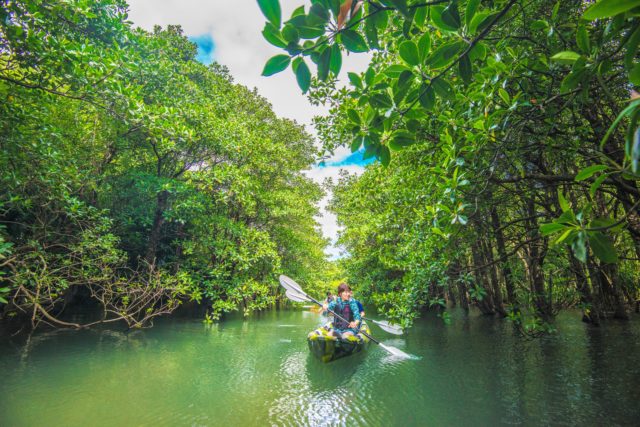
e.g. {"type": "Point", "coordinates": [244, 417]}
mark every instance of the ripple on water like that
{"type": "Point", "coordinates": [261, 373]}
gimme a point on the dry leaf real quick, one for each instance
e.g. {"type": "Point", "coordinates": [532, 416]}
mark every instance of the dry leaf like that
{"type": "Point", "coordinates": [358, 6]}
{"type": "Point", "coordinates": [344, 11]}
{"type": "Point", "coordinates": [634, 95]}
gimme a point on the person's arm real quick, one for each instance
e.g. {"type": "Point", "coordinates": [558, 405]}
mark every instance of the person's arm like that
{"type": "Point", "coordinates": [356, 313]}
{"type": "Point", "coordinates": [329, 306]}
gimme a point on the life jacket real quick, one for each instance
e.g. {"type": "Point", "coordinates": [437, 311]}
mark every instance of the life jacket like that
{"type": "Point", "coordinates": [343, 309]}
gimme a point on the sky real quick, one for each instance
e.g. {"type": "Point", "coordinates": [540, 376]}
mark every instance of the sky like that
{"type": "Point", "coordinates": [229, 32]}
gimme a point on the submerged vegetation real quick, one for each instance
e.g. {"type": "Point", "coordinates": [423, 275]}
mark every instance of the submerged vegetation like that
{"type": "Point", "coordinates": [508, 146]}
{"type": "Point", "coordinates": [135, 178]}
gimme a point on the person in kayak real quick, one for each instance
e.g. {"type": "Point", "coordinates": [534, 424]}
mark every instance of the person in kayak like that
{"type": "Point", "coordinates": [346, 307]}
{"type": "Point", "coordinates": [360, 307]}
{"type": "Point", "coordinates": [329, 298]}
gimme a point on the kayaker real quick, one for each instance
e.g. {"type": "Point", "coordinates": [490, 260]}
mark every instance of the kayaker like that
{"type": "Point", "coordinates": [330, 297]}
{"type": "Point", "coordinates": [360, 307]}
{"type": "Point", "coordinates": [346, 307]}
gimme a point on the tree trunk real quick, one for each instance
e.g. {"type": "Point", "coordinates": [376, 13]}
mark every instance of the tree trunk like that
{"type": "Point", "coordinates": [486, 304]}
{"type": "Point", "coordinates": [493, 275]}
{"type": "Point", "coordinates": [504, 263]}
{"type": "Point", "coordinates": [156, 228]}
{"type": "Point", "coordinates": [590, 311]}
{"type": "Point", "coordinates": [535, 260]}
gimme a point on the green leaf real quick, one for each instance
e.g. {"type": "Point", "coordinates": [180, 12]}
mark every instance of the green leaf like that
{"type": "Point", "coordinates": [443, 88]}
{"type": "Point", "coordinates": [609, 8]}
{"type": "Point", "coordinates": [357, 143]}
{"type": "Point", "coordinates": [445, 54]}
{"type": "Point", "coordinates": [306, 29]}
{"type": "Point", "coordinates": [324, 61]}
{"type": "Point", "coordinates": [381, 100]}
{"type": "Point", "coordinates": [409, 52]}
{"type": "Point", "coordinates": [602, 222]}
{"type": "Point", "coordinates": [384, 155]}
{"type": "Point", "coordinates": [424, 46]}
{"type": "Point", "coordinates": [353, 41]}
{"type": "Point", "coordinates": [276, 64]}
{"type": "Point", "coordinates": [438, 21]}
{"type": "Point", "coordinates": [369, 152]}
{"type": "Point", "coordinates": [334, 6]}
{"type": "Point", "coordinates": [472, 8]}
{"type": "Point", "coordinates": [355, 80]}
{"type": "Point", "coordinates": [419, 17]}
{"type": "Point", "coordinates": [588, 172]}
{"type": "Point", "coordinates": [484, 23]}
{"type": "Point", "coordinates": [634, 75]}
{"type": "Point", "coordinates": [290, 34]}
{"type": "Point", "coordinates": [271, 10]}
{"type": "Point", "coordinates": [602, 247]}
{"type": "Point", "coordinates": [299, 11]}
{"type": "Point", "coordinates": [402, 87]}
{"type": "Point", "coordinates": [395, 70]}
{"type": "Point", "coordinates": [401, 5]}
{"type": "Point", "coordinates": [478, 52]}
{"type": "Point", "coordinates": [597, 183]}
{"type": "Point", "coordinates": [582, 39]}
{"type": "Point", "coordinates": [400, 139]}
{"type": "Point", "coordinates": [564, 205]}
{"type": "Point", "coordinates": [371, 33]}
{"type": "Point", "coordinates": [565, 236]}
{"type": "Point", "coordinates": [428, 98]}
{"type": "Point", "coordinates": [273, 36]}
{"type": "Point", "coordinates": [635, 151]}
{"type": "Point", "coordinates": [464, 67]}
{"type": "Point", "coordinates": [632, 48]}
{"type": "Point", "coordinates": [451, 16]}
{"type": "Point", "coordinates": [303, 76]}
{"type": "Point", "coordinates": [539, 24]}
{"type": "Point", "coordinates": [353, 116]}
{"type": "Point", "coordinates": [573, 80]}
{"type": "Point", "coordinates": [566, 57]}
{"type": "Point", "coordinates": [478, 19]}
{"type": "Point", "coordinates": [551, 228]}
{"type": "Point", "coordinates": [504, 96]}
{"type": "Point", "coordinates": [579, 247]}
{"type": "Point", "coordinates": [336, 59]}
{"type": "Point", "coordinates": [318, 15]}
{"type": "Point", "coordinates": [382, 20]}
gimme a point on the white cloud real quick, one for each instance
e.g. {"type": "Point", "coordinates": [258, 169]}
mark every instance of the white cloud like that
{"type": "Point", "coordinates": [235, 27]}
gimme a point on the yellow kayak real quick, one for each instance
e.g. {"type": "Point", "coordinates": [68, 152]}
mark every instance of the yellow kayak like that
{"type": "Point", "coordinates": [328, 348]}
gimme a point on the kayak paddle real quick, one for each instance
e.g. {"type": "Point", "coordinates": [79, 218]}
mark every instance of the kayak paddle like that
{"type": "Point", "coordinates": [295, 293]}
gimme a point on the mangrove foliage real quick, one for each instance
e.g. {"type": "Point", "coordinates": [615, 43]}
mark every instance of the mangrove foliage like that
{"type": "Point", "coordinates": [134, 178]}
{"type": "Point", "coordinates": [508, 145]}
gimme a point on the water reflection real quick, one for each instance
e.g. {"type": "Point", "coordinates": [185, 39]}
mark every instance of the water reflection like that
{"type": "Point", "coordinates": [476, 371]}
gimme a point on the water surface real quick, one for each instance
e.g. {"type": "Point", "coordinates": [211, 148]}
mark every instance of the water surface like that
{"type": "Point", "coordinates": [476, 371]}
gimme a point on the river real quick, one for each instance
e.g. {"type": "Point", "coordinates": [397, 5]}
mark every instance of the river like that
{"type": "Point", "coordinates": [476, 371]}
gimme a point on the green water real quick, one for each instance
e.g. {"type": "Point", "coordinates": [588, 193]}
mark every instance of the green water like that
{"type": "Point", "coordinates": [259, 372]}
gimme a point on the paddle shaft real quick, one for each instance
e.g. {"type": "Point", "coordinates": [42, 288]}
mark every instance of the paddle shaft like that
{"type": "Point", "coordinates": [342, 318]}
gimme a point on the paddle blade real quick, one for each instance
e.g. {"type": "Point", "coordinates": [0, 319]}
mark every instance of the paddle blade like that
{"type": "Point", "coordinates": [296, 297]}
{"type": "Point", "coordinates": [289, 284]}
{"type": "Point", "coordinates": [396, 352]}
{"type": "Point", "coordinates": [389, 327]}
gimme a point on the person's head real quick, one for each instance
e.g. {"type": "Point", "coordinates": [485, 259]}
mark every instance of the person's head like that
{"type": "Point", "coordinates": [328, 293]}
{"type": "Point", "coordinates": [344, 291]}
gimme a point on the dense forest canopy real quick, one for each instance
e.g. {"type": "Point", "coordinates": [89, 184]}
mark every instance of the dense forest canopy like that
{"type": "Point", "coordinates": [136, 178]}
{"type": "Point", "coordinates": [508, 146]}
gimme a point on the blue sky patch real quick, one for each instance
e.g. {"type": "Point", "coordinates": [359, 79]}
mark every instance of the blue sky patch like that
{"type": "Point", "coordinates": [206, 48]}
{"type": "Point", "coordinates": [353, 159]}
